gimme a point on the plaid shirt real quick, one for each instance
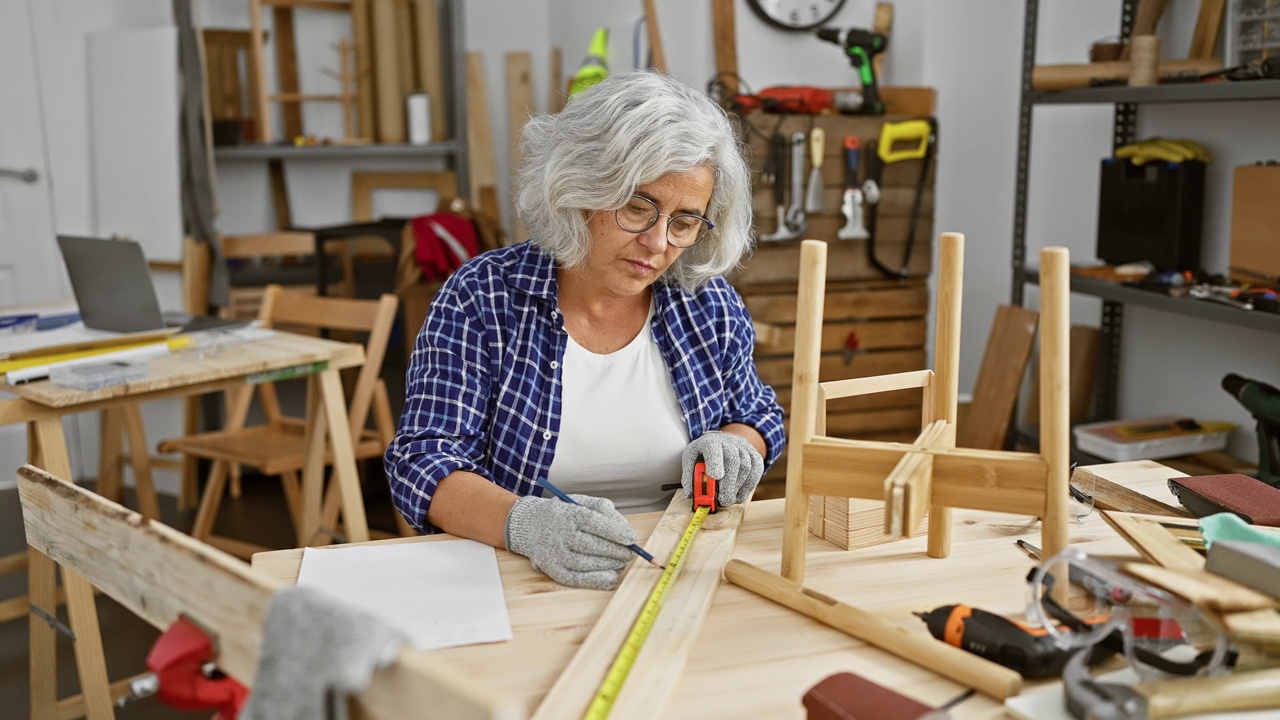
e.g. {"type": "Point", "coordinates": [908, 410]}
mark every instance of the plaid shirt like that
{"type": "Point", "coordinates": [483, 386]}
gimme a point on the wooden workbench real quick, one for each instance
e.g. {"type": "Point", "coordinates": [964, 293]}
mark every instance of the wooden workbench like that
{"type": "Point", "coordinates": [755, 659]}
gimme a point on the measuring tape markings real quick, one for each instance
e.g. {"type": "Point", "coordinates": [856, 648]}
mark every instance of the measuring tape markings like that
{"type": "Point", "coordinates": [612, 685]}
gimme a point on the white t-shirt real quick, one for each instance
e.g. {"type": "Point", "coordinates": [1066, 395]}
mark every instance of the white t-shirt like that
{"type": "Point", "coordinates": [621, 427]}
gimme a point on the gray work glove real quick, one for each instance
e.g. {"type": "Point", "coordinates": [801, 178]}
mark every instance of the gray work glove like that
{"type": "Point", "coordinates": [583, 545]}
{"type": "Point", "coordinates": [731, 459]}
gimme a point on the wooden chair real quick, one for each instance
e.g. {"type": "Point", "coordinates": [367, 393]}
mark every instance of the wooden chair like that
{"type": "Point", "coordinates": [276, 447]}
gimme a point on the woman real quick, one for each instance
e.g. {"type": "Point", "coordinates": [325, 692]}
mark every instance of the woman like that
{"type": "Point", "coordinates": [606, 354]}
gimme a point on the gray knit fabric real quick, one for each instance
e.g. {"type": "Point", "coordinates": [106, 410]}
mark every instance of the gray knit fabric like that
{"type": "Point", "coordinates": [316, 651]}
{"type": "Point", "coordinates": [583, 545]}
{"type": "Point", "coordinates": [731, 459]}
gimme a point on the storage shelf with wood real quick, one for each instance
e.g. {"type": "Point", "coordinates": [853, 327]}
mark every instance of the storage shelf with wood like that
{"type": "Point", "coordinates": [885, 318]}
{"type": "Point", "coordinates": [325, 152]}
{"type": "Point", "coordinates": [1166, 93]}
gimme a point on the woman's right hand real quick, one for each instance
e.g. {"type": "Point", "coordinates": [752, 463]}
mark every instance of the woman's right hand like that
{"type": "Point", "coordinates": [584, 545]}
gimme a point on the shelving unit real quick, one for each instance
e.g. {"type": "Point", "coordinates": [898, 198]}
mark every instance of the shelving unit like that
{"type": "Point", "coordinates": [453, 151]}
{"type": "Point", "coordinates": [1115, 296]}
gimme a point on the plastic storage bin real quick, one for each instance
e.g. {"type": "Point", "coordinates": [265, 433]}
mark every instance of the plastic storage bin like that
{"type": "Point", "coordinates": [1151, 438]}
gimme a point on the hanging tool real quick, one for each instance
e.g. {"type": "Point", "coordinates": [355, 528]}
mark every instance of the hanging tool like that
{"type": "Point", "coordinates": [797, 223]}
{"type": "Point", "coordinates": [920, 136]}
{"type": "Point", "coordinates": [861, 46]}
{"type": "Point", "coordinates": [796, 100]}
{"type": "Point", "coordinates": [776, 170]}
{"type": "Point", "coordinates": [183, 675]}
{"type": "Point", "coordinates": [814, 202]}
{"type": "Point", "coordinates": [704, 503]}
{"type": "Point", "coordinates": [851, 200]}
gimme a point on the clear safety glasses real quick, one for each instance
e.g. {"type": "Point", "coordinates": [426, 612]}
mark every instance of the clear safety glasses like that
{"type": "Point", "coordinates": [1161, 635]}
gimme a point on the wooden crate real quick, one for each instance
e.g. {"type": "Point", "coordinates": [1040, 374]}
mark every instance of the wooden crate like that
{"type": "Point", "coordinates": [888, 317]}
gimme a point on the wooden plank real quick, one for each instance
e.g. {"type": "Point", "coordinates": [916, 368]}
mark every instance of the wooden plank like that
{"type": "Point", "coordinates": [280, 194]}
{"type": "Point", "coordinates": [556, 97]}
{"type": "Point", "coordinates": [833, 366]}
{"type": "Point", "coordinates": [287, 69]}
{"type": "Point", "coordinates": [258, 76]}
{"type": "Point", "coordinates": [1144, 21]}
{"type": "Point", "coordinates": [405, 50]}
{"type": "Point", "coordinates": [725, 38]}
{"type": "Point", "coordinates": [159, 574]}
{"type": "Point", "coordinates": [883, 24]}
{"type": "Point", "coordinates": [870, 335]}
{"type": "Point", "coordinates": [426, 15]}
{"type": "Point", "coordinates": [386, 72]}
{"type": "Point", "coordinates": [519, 109]}
{"type": "Point", "coordinates": [1204, 40]}
{"type": "Point", "coordinates": [658, 58]}
{"type": "Point", "coordinates": [658, 665]}
{"type": "Point", "coordinates": [848, 258]}
{"type": "Point", "coordinates": [873, 301]}
{"type": "Point", "coordinates": [1108, 495]}
{"type": "Point", "coordinates": [484, 172]}
{"type": "Point", "coordinates": [1153, 542]}
{"type": "Point", "coordinates": [1004, 365]}
{"type": "Point", "coordinates": [363, 183]}
{"type": "Point", "coordinates": [1203, 589]}
{"type": "Point", "coordinates": [360, 33]}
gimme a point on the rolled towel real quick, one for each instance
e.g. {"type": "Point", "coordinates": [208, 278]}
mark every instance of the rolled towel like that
{"type": "Point", "coordinates": [316, 651]}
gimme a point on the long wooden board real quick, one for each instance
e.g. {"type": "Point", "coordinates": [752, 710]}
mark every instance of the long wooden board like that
{"type": "Point", "coordinates": [159, 574]}
{"type": "Point", "coordinates": [657, 667]}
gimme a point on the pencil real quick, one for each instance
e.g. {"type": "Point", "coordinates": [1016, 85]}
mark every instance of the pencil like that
{"type": "Point", "coordinates": [565, 497]}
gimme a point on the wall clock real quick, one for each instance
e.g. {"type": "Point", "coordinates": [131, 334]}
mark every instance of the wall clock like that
{"type": "Point", "coordinates": [796, 14]}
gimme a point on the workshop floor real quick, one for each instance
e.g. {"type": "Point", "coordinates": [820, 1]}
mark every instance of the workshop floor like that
{"type": "Point", "coordinates": [254, 517]}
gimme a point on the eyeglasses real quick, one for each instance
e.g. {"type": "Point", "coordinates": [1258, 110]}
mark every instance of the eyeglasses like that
{"type": "Point", "coordinates": [640, 214]}
{"type": "Point", "coordinates": [1160, 634]}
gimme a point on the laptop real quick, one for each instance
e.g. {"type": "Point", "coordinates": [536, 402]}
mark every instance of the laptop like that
{"type": "Point", "coordinates": [115, 292]}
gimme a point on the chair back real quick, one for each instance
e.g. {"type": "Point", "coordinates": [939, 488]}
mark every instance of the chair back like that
{"type": "Point", "coordinates": [374, 317]}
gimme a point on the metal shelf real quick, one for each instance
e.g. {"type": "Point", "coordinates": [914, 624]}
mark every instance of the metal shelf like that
{"type": "Point", "coordinates": [1167, 93]}
{"type": "Point", "coordinates": [1191, 307]}
{"type": "Point", "coordinates": [317, 152]}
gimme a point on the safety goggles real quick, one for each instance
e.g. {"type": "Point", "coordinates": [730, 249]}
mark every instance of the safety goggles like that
{"type": "Point", "coordinates": [1160, 634]}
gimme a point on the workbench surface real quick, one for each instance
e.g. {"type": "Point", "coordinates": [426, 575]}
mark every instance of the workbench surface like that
{"type": "Point", "coordinates": [756, 659]}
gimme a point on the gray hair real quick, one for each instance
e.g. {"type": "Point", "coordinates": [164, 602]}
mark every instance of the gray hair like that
{"type": "Point", "coordinates": [628, 130]}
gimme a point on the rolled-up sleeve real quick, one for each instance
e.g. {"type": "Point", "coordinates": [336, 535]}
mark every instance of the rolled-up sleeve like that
{"type": "Point", "coordinates": [447, 396]}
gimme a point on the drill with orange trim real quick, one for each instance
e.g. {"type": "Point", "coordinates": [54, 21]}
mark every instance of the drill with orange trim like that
{"type": "Point", "coordinates": [1029, 651]}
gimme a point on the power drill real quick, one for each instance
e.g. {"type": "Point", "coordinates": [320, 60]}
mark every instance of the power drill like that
{"type": "Point", "coordinates": [1263, 403]}
{"type": "Point", "coordinates": [1029, 651]}
{"type": "Point", "coordinates": [861, 46]}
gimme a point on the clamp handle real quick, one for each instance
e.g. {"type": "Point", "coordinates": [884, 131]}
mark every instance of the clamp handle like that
{"type": "Point", "coordinates": [704, 488]}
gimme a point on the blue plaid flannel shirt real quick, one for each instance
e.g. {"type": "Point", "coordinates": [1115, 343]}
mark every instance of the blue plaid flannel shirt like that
{"type": "Point", "coordinates": [483, 385]}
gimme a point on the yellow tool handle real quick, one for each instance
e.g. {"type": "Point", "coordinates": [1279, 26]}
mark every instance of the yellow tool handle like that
{"type": "Point", "coordinates": [913, 131]}
{"type": "Point", "coordinates": [817, 144]}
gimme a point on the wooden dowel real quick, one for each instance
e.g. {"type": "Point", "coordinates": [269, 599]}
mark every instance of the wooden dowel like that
{"type": "Point", "coordinates": [950, 662]}
{"type": "Point", "coordinates": [804, 402]}
{"type": "Point", "coordinates": [1256, 690]}
{"type": "Point", "coordinates": [1064, 77]}
{"type": "Point", "coordinates": [946, 387]}
{"type": "Point", "coordinates": [1055, 404]}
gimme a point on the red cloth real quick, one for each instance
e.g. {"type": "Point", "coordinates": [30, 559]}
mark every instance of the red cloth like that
{"type": "Point", "coordinates": [443, 241]}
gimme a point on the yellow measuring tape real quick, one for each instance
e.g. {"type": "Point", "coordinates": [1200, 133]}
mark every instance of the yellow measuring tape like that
{"type": "Point", "coordinates": [612, 684]}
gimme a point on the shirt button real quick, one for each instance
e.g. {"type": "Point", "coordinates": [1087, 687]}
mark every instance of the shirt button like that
{"type": "Point", "coordinates": [546, 435]}
{"type": "Point", "coordinates": [554, 364]}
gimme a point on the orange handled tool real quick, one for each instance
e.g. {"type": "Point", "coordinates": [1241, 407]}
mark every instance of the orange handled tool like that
{"type": "Point", "coordinates": [704, 488]}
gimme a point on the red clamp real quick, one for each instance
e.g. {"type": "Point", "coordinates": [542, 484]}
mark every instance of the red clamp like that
{"type": "Point", "coordinates": [704, 488]}
{"type": "Point", "coordinates": [178, 662]}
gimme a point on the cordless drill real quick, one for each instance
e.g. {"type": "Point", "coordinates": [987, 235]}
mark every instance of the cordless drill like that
{"type": "Point", "coordinates": [1029, 651]}
{"type": "Point", "coordinates": [861, 46]}
{"type": "Point", "coordinates": [1263, 403]}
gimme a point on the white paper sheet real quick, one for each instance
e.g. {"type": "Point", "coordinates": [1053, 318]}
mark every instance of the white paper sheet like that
{"type": "Point", "coordinates": [443, 594]}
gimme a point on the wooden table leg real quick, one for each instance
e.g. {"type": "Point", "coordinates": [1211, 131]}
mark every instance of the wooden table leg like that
{"type": "Point", "coordinates": [81, 609]}
{"type": "Point", "coordinates": [140, 458]}
{"type": "Point", "coordinates": [313, 468]}
{"type": "Point", "coordinates": [344, 456]}
{"type": "Point", "coordinates": [109, 485]}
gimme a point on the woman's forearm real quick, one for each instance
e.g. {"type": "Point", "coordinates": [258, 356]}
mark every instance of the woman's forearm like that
{"type": "Point", "coordinates": [467, 505]}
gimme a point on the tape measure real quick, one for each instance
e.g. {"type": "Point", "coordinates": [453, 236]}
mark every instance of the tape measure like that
{"type": "Point", "coordinates": [704, 501]}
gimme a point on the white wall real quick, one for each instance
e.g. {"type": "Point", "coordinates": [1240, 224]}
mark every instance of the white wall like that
{"type": "Point", "coordinates": [969, 50]}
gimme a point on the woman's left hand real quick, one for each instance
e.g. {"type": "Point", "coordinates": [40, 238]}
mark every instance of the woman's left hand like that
{"type": "Point", "coordinates": [731, 459]}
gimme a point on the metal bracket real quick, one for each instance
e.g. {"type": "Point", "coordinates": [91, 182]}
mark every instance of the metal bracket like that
{"type": "Point", "coordinates": [53, 621]}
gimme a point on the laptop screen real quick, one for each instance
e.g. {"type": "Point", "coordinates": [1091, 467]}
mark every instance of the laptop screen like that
{"type": "Point", "coordinates": [112, 284]}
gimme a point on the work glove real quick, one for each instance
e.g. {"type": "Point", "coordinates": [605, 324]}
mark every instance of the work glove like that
{"type": "Point", "coordinates": [731, 459]}
{"type": "Point", "coordinates": [583, 545]}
